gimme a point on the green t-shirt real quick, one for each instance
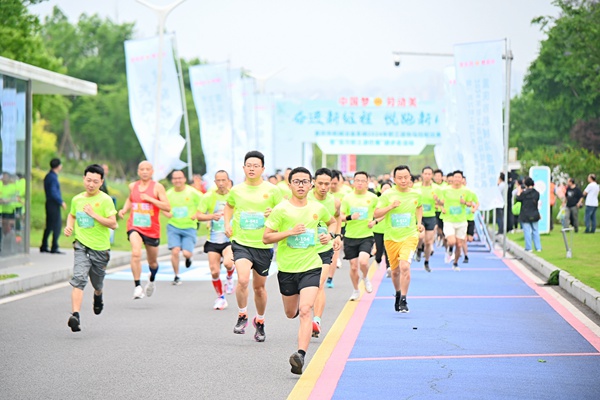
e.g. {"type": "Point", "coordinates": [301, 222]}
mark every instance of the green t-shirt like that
{"type": "Point", "coordinates": [365, 205]}
{"type": "Point", "coordinates": [212, 203]}
{"type": "Point", "coordinates": [401, 222]}
{"type": "Point", "coordinates": [381, 226]}
{"type": "Point", "coordinates": [298, 253]}
{"type": "Point", "coordinates": [454, 210]}
{"type": "Point", "coordinates": [250, 203]}
{"type": "Point", "coordinates": [88, 231]}
{"type": "Point", "coordinates": [184, 205]}
{"type": "Point", "coordinates": [427, 200]}
{"type": "Point", "coordinates": [329, 204]}
{"type": "Point", "coordinates": [472, 198]}
{"type": "Point", "coordinates": [286, 192]}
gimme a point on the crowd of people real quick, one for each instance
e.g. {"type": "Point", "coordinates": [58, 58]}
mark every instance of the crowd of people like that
{"type": "Point", "coordinates": [311, 219]}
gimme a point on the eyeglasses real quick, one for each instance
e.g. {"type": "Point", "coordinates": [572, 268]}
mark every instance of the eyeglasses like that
{"type": "Point", "coordinates": [298, 182]}
{"type": "Point", "coordinates": [255, 166]}
{"type": "Point", "coordinates": [360, 180]}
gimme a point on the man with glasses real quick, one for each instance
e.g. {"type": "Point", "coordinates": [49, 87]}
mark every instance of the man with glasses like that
{"type": "Point", "coordinates": [402, 208]}
{"type": "Point", "coordinates": [218, 245]}
{"type": "Point", "coordinates": [294, 225]}
{"type": "Point", "coordinates": [181, 227]}
{"type": "Point", "coordinates": [357, 211]}
{"type": "Point", "coordinates": [250, 203]}
{"type": "Point", "coordinates": [321, 194]}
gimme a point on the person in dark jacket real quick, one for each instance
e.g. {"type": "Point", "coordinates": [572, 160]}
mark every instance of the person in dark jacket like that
{"type": "Point", "coordinates": [54, 202]}
{"type": "Point", "coordinates": [530, 214]}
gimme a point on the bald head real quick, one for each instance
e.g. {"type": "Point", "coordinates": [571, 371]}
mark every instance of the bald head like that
{"type": "Point", "coordinates": [145, 170]}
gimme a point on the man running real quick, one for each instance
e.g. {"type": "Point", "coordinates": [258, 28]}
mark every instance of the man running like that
{"type": "Point", "coordinates": [182, 226]}
{"type": "Point", "coordinates": [146, 199]}
{"type": "Point", "coordinates": [429, 220]}
{"type": "Point", "coordinates": [250, 203]}
{"type": "Point", "coordinates": [357, 210]}
{"type": "Point", "coordinates": [218, 246]}
{"type": "Point", "coordinates": [474, 201]}
{"type": "Point", "coordinates": [321, 194]}
{"type": "Point", "coordinates": [338, 190]}
{"type": "Point", "coordinates": [294, 225]}
{"type": "Point", "coordinates": [91, 218]}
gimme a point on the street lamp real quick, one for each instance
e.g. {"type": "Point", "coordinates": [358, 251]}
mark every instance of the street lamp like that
{"type": "Point", "coordinates": [397, 55]}
{"type": "Point", "coordinates": [161, 12]}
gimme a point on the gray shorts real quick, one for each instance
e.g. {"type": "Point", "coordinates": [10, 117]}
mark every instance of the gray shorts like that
{"type": "Point", "coordinates": [90, 263]}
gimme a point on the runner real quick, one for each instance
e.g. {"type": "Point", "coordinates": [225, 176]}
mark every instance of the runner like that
{"type": "Point", "coordinates": [338, 190]}
{"type": "Point", "coordinates": [357, 210]}
{"type": "Point", "coordinates": [378, 233]}
{"type": "Point", "coordinates": [183, 224]}
{"type": "Point", "coordinates": [294, 225]}
{"type": "Point", "coordinates": [283, 185]}
{"type": "Point", "coordinates": [91, 218]}
{"type": "Point", "coordinates": [321, 194]}
{"type": "Point", "coordinates": [474, 200]}
{"type": "Point", "coordinates": [439, 184]}
{"type": "Point", "coordinates": [454, 200]}
{"type": "Point", "coordinates": [429, 218]}
{"type": "Point", "coordinates": [403, 213]}
{"type": "Point", "coordinates": [250, 203]}
{"type": "Point", "coordinates": [146, 199]}
{"type": "Point", "coordinates": [218, 246]}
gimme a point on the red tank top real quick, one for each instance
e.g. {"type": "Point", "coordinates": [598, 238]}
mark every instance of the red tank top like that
{"type": "Point", "coordinates": [143, 216]}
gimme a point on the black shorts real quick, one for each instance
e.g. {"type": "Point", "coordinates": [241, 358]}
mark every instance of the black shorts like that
{"type": "Point", "coordinates": [292, 283]}
{"type": "Point", "coordinates": [353, 247]}
{"type": "Point", "coordinates": [148, 241]}
{"type": "Point", "coordinates": [260, 258]}
{"type": "Point", "coordinates": [326, 256]}
{"type": "Point", "coordinates": [429, 223]}
{"type": "Point", "coordinates": [210, 247]}
{"type": "Point", "coordinates": [440, 222]}
{"type": "Point", "coordinates": [470, 228]}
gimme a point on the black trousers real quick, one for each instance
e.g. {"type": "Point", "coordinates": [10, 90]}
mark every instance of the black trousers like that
{"type": "Point", "coordinates": [380, 247]}
{"type": "Point", "coordinates": [53, 225]}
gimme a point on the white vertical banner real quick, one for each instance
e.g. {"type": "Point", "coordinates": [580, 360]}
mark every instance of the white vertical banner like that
{"type": "Point", "coordinates": [264, 129]}
{"type": "Point", "coordinates": [142, 79]}
{"type": "Point", "coordinates": [480, 93]}
{"type": "Point", "coordinates": [8, 97]}
{"type": "Point", "coordinates": [211, 93]}
{"type": "Point", "coordinates": [449, 155]}
{"type": "Point", "coordinates": [239, 142]}
{"type": "Point", "coordinates": [249, 93]}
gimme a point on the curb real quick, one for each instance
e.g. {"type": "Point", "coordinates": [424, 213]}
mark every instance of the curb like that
{"type": "Point", "coordinates": [585, 294]}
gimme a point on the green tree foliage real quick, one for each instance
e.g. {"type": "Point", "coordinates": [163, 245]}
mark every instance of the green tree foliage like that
{"type": "Point", "coordinates": [45, 144]}
{"type": "Point", "coordinates": [574, 161]}
{"type": "Point", "coordinates": [562, 86]}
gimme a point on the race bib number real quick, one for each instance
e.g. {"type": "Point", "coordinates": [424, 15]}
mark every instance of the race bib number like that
{"type": "Point", "coordinates": [218, 226]}
{"type": "Point", "coordinates": [322, 229]}
{"type": "Point", "coordinates": [426, 207]}
{"type": "Point", "coordinates": [455, 210]}
{"type": "Point", "coordinates": [401, 220]}
{"type": "Point", "coordinates": [84, 220]}
{"type": "Point", "coordinates": [468, 210]}
{"type": "Point", "coordinates": [303, 240]}
{"type": "Point", "coordinates": [180, 212]}
{"type": "Point", "coordinates": [362, 211]}
{"type": "Point", "coordinates": [141, 220]}
{"type": "Point", "coordinates": [252, 220]}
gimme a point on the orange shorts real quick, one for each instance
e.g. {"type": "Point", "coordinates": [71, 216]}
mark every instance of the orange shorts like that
{"type": "Point", "coordinates": [400, 251]}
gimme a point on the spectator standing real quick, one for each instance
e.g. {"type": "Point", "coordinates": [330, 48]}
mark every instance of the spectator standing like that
{"type": "Point", "coordinates": [573, 199]}
{"type": "Point", "coordinates": [500, 211]}
{"type": "Point", "coordinates": [591, 204]}
{"type": "Point", "coordinates": [54, 202]}
{"type": "Point", "coordinates": [530, 214]}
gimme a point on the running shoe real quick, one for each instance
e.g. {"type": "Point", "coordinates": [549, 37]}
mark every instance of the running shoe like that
{"type": "Point", "coordinates": [448, 258]}
{"type": "Point", "coordinates": [368, 285]}
{"type": "Point", "coordinates": [403, 308]}
{"type": "Point", "coordinates": [240, 326]}
{"type": "Point", "coordinates": [455, 267]}
{"type": "Point", "coordinates": [316, 329]}
{"type": "Point", "coordinates": [297, 363]}
{"type": "Point", "coordinates": [397, 302]}
{"type": "Point", "coordinates": [329, 283]}
{"type": "Point", "coordinates": [188, 262]}
{"type": "Point", "coordinates": [466, 260]}
{"type": "Point", "coordinates": [388, 272]}
{"type": "Point", "coordinates": [426, 266]}
{"type": "Point", "coordinates": [98, 304]}
{"type": "Point", "coordinates": [74, 323]}
{"type": "Point", "coordinates": [418, 255]}
{"type": "Point", "coordinates": [149, 289]}
{"type": "Point", "coordinates": [355, 295]}
{"type": "Point", "coordinates": [220, 303]}
{"type": "Point", "coordinates": [259, 335]}
{"type": "Point", "coordinates": [229, 286]}
{"type": "Point", "coordinates": [339, 263]}
{"type": "Point", "coordinates": [177, 281]}
{"type": "Point", "coordinates": [138, 292]}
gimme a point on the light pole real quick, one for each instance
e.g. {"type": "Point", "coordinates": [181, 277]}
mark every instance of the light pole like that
{"type": "Point", "coordinates": [508, 57]}
{"type": "Point", "coordinates": [399, 54]}
{"type": "Point", "coordinates": [161, 12]}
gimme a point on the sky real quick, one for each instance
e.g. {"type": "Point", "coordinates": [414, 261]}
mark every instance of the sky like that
{"type": "Point", "coordinates": [325, 48]}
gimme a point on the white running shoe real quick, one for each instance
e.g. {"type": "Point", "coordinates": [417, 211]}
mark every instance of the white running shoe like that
{"type": "Point", "coordinates": [339, 263]}
{"type": "Point", "coordinates": [229, 286]}
{"type": "Point", "coordinates": [447, 258]}
{"type": "Point", "coordinates": [456, 268]}
{"type": "Point", "coordinates": [388, 272]}
{"type": "Point", "coordinates": [220, 303]}
{"type": "Point", "coordinates": [368, 285]}
{"type": "Point", "coordinates": [355, 295]}
{"type": "Point", "coordinates": [138, 292]}
{"type": "Point", "coordinates": [149, 289]}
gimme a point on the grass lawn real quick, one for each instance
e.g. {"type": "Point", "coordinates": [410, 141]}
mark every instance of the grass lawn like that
{"type": "Point", "coordinates": [584, 265]}
{"type": "Point", "coordinates": [8, 276]}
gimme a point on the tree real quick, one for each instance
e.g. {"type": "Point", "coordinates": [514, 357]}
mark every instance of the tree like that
{"type": "Point", "coordinates": [587, 134]}
{"type": "Point", "coordinates": [45, 144]}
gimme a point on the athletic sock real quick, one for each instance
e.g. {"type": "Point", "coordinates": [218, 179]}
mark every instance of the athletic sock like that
{"type": "Point", "coordinates": [260, 318]}
{"type": "Point", "coordinates": [153, 272]}
{"type": "Point", "coordinates": [329, 280]}
{"type": "Point", "coordinates": [302, 352]}
{"type": "Point", "coordinates": [137, 283]}
{"type": "Point", "coordinates": [317, 320]}
{"type": "Point", "coordinates": [76, 314]}
{"type": "Point", "coordinates": [243, 311]}
{"type": "Point", "coordinates": [230, 272]}
{"type": "Point", "coordinates": [218, 285]}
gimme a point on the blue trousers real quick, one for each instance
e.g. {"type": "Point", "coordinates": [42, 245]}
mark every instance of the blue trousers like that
{"type": "Point", "coordinates": [531, 232]}
{"type": "Point", "coordinates": [590, 219]}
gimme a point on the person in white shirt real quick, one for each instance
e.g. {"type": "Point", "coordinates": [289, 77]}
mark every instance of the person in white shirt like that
{"type": "Point", "coordinates": [591, 204]}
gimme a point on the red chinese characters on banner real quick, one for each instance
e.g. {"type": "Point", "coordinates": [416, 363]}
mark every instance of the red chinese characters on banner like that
{"type": "Point", "coordinates": [476, 63]}
{"type": "Point", "coordinates": [354, 101]}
